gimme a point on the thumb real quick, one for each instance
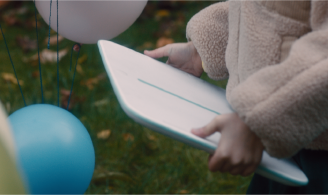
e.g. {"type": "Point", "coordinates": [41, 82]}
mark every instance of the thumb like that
{"type": "Point", "coordinates": [158, 53]}
{"type": "Point", "coordinates": [214, 126]}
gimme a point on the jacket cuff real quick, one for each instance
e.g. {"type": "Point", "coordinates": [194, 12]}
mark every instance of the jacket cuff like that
{"type": "Point", "coordinates": [208, 30]}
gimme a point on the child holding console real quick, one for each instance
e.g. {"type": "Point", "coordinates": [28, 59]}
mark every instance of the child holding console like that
{"type": "Point", "coordinates": [275, 54]}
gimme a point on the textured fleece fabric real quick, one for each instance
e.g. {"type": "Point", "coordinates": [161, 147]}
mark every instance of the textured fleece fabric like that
{"type": "Point", "coordinates": [275, 54]}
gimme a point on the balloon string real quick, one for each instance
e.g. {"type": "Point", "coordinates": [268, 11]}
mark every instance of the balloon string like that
{"type": "Point", "coordinates": [12, 65]}
{"type": "Point", "coordinates": [57, 59]}
{"type": "Point", "coordinates": [49, 26]}
{"type": "Point", "coordinates": [74, 70]}
{"type": "Point", "coordinates": [37, 39]}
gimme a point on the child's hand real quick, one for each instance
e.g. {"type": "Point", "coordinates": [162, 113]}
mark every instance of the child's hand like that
{"type": "Point", "coordinates": [183, 56]}
{"type": "Point", "coordinates": [239, 151]}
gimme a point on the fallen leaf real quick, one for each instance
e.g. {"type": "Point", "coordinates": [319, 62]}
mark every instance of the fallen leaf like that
{"type": "Point", "coordinates": [104, 134]}
{"type": "Point", "coordinates": [151, 137]}
{"type": "Point", "coordinates": [79, 69]}
{"type": "Point", "coordinates": [26, 44]}
{"type": "Point", "coordinates": [128, 136]}
{"type": "Point", "coordinates": [93, 81]}
{"type": "Point", "coordinates": [101, 175]}
{"type": "Point", "coordinates": [46, 56]}
{"type": "Point", "coordinates": [8, 77]}
{"type": "Point", "coordinates": [101, 102]}
{"type": "Point", "coordinates": [90, 83]}
{"type": "Point", "coordinates": [146, 45]}
{"type": "Point", "coordinates": [53, 39]}
{"type": "Point", "coordinates": [3, 4]}
{"type": "Point", "coordinates": [10, 17]}
{"type": "Point", "coordinates": [161, 14]}
{"type": "Point", "coordinates": [65, 96]}
{"type": "Point", "coordinates": [36, 74]}
{"type": "Point", "coordinates": [82, 59]}
{"type": "Point", "coordinates": [183, 192]}
{"type": "Point", "coordinates": [163, 41]}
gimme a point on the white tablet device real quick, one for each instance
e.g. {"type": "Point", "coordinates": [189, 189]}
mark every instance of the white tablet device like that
{"type": "Point", "coordinates": [172, 102]}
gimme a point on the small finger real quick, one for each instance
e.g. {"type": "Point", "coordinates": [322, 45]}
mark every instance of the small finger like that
{"type": "Point", "coordinates": [209, 129]}
{"type": "Point", "coordinates": [158, 53]}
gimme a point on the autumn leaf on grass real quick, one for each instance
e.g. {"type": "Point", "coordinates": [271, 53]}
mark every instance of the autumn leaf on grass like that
{"type": "Point", "coordinates": [46, 56]}
{"type": "Point", "coordinates": [146, 45]}
{"type": "Point", "coordinates": [82, 59]}
{"type": "Point", "coordinates": [36, 74]}
{"type": "Point", "coordinates": [53, 40]}
{"type": "Point", "coordinates": [101, 102]}
{"type": "Point", "coordinates": [183, 192]}
{"type": "Point", "coordinates": [163, 41]}
{"type": "Point", "coordinates": [101, 175]}
{"type": "Point", "coordinates": [8, 77]}
{"type": "Point", "coordinates": [65, 96]}
{"type": "Point", "coordinates": [10, 17]}
{"type": "Point", "coordinates": [79, 69]}
{"type": "Point", "coordinates": [128, 136]}
{"type": "Point", "coordinates": [161, 14]}
{"type": "Point", "coordinates": [3, 3]}
{"type": "Point", "coordinates": [26, 43]}
{"type": "Point", "coordinates": [104, 134]}
{"type": "Point", "coordinates": [90, 83]}
{"type": "Point", "coordinates": [151, 137]}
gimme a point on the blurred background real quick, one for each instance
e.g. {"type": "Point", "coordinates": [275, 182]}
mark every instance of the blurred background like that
{"type": "Point", "coordinates": [129, 158]}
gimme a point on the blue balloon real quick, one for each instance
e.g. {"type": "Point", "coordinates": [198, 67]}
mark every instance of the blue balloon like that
{"type": "Point", "coordinates": [54, 150]}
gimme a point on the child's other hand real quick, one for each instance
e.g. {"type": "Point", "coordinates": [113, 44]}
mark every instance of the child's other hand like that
{"type": "Point", "coordinates": [239, 151]}
{"type": "Point", "coordinates": [183, 56]}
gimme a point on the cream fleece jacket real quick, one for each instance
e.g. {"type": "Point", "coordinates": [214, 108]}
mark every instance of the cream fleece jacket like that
{"type": "Point", "coordinates": [275, 54]}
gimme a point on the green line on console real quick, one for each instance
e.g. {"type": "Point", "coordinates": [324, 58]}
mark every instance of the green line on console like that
{"type": "Point", "coordinates": [178, 96]}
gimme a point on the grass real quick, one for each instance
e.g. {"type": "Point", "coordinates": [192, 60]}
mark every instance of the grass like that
{"type": "Point", "coordinates": [147, 162]}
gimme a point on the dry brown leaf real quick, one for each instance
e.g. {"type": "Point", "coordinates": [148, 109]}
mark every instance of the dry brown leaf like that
{"type": "Point", "coordinates": [183, 192]}
{"type": "Point", "coordinates": [82, 59]}
{"type": "Point", "coordinates": [104, 134]}
{"type": "Point", "coordinates": [8, 77]}
{"type": "Point", "coordinates": [53, 39]}
{"type": "Point", "coordinates": [93, 81]}
{"type": "Point", "coordinates": [101, 102]}
{"type": "Point", "coordinates": [151, 137]}
{"type": "Point", "coordinates": [3, 3]}
{"type": "Point", "coordinates": [46, 56]}
{"type": "Point", "coordinates": [101, 175]}
{"type": "Point", "coordinates": [26, 44]}
{"type": "Point", "coordinates": [162, 14]}
{"type": "Point", "coordinates": [79, 69]}
{"type": "Point", "coordinates": [128, 136]}
{"type": "Point", "coordinates": [65, 96]}
{"type": "Point", "coordinates": [163, 41]}
{"type": "Point", "coordinates": [146, 45]}
{"type": "Point", "coordinates": [90, 83]}
{"type": "Point", "coordinates": [36, 74]}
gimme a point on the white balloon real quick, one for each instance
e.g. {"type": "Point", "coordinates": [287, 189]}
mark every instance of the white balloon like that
{"type": "Point", "coordinates": [89, 21]}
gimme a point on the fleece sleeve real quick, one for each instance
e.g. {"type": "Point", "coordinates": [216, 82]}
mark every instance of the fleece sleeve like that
{"type": "Point", "coordinates": [208, 30]}
{"type": "Point", "coordinates": [286, 104]}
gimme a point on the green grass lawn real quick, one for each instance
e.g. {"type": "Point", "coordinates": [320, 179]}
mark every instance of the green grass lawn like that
{"type": "Point", "coordinates": [133, 159]}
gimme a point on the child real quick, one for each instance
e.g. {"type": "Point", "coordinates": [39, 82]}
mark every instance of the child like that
{"type": "Point", "coordinates": [275, 54]}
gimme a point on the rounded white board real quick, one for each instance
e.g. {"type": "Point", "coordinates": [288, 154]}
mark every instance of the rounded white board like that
{"type": "Point", "coordinates": [173, 102]}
